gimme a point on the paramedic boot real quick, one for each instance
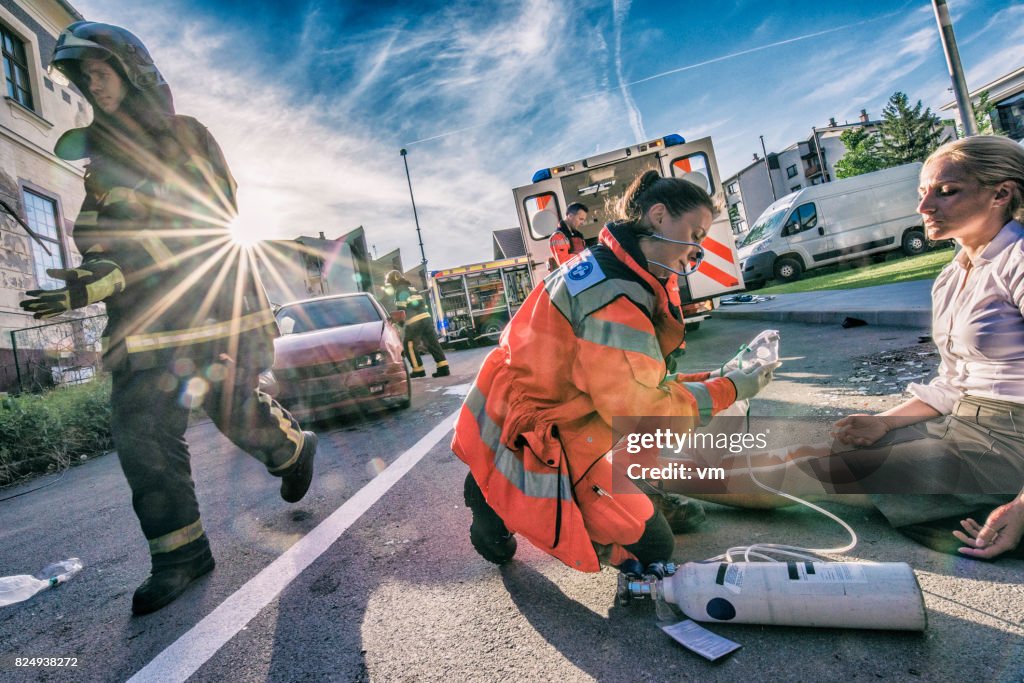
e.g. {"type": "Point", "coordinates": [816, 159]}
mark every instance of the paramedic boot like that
{"type": "Point", "coordinates": [172, 573]}
{"type": "Point", "coordinates": [442, 371]}
{"type": "Point", "coordinates": [295, 482]}
{"type": "Point", "coordinates": [488, 533]}
{"type": "Point", "coordinates": [683, 514]}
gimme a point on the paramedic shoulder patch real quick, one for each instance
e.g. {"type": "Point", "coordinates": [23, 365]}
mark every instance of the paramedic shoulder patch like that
{"type": "Point", "coordinates": [582, 273]}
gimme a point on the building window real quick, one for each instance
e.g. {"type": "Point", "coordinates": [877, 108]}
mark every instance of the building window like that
{"type": "Point", "coordinates": [41, 215]}
{"type": "Point", "coordinates": [16, 68]}
{"type": "Point", "coordinates": [791, 171]}
{"type": "Point", "coordinates": [795, 188]}
{"type": "Point", "coordinates": [731, 189]}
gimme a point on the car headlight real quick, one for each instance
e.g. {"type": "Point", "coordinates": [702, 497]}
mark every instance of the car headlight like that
{"type": "Point", "coordinates": [369, 360]}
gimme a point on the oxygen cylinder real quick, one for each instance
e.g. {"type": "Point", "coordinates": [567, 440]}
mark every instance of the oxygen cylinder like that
{"type": "Point", "coordinates": [825, 594]}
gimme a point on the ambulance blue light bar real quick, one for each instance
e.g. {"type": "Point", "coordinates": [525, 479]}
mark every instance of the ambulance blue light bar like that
{"type": "Point", "coordinates": [542, 174]}
{"type": "Point", "coordinates": [673, 139]}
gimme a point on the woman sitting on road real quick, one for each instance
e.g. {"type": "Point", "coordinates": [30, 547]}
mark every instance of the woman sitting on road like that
{"type": "Point", "coordinates": [588, 346]}
{"type": "Point", "coordinates": [954, 453]}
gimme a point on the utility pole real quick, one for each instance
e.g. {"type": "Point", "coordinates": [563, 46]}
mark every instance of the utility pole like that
{"type": "Point", "coordinates": [419, 235]}
{"type": "Point", "coordinates": [768, 169]}
{"type": "Point", "coordinates": [956, 71]}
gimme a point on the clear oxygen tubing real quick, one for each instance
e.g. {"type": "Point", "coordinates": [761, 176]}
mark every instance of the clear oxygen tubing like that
{"type": "Point", "coordinates": [768, 340]}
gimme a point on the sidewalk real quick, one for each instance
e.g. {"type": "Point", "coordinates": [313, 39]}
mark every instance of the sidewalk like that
{"type": "Point", "coordinates": [904, 304]}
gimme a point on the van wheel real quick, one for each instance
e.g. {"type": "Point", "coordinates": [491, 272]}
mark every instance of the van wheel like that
{"type": "Point", "coordinates": [788, 269]}
{"type": "Point", "coordinates": [914, 243]}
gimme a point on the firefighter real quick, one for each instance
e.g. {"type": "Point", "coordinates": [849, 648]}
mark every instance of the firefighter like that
{"type": "Point", "coordinates": [589, 345]}
{"type": "Point", "coordinates": [567, 241]}
{"type": "Point", "coordinates": [188, 321]}
{"type": "Point", "coordinates": [419, 326]}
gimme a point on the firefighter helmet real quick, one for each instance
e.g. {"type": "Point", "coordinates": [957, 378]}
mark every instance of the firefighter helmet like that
{"type": "Point", "coordinates": [393, 278]}
{"type": "Point", "coordinates": [113, 44]}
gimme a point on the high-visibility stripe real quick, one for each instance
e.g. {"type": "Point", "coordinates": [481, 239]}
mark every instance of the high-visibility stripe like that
{"type": "Point", "coordinates": [117, 195]}
{"type": "Point", "coordinates": [717, 274]}
{"type": "Point", "coordinates": [704, 402]}
{"type": "Point", "coordinates": [196, 335]}
{"type": "Point", "coordinates": [418, 316]}
{"type": "Point", "coordinates": [510, 464]}
{"type": "Point", "coordinates": [285, 425]}
{"type": "Point", "coordinates": [87, 219]}
{"type": "Point", "coordinates": [594, 298]}
{"type": "Point", "coordinates": [155, 247]}
{"type": "Point", "coordinates": [176, 539]}
{"type": "Point", "coordinates": [411, 351]}
{"type": "Point", "coordinates": [619, 336]}
{"type": "Point", "coordinates": [718, 249]}
{"type": "Point", "coordinates": [443, 364]}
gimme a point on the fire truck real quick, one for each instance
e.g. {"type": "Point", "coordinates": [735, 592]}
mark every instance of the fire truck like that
{"type": "Point", "coordinates": [474, 302]}
{"type": "Point", "coordinates": [599, 182]}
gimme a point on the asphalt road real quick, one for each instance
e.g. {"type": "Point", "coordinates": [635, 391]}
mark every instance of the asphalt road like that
{"type": "Point", "coordinates": [398, 594]}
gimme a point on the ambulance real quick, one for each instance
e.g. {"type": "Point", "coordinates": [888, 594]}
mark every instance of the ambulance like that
{"type": "Point", "coordinates": [598, 182]}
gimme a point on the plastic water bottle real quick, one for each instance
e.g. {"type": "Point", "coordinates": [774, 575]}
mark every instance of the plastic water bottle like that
{"type": "Point", "coordinates": [14, 589]}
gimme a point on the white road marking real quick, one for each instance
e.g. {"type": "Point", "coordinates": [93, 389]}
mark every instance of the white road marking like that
{"type": "Point", "coordinates": [183, 657]}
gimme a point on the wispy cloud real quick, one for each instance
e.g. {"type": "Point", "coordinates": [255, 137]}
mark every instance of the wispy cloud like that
{"type": "Point", "coordinates": [620, 13]}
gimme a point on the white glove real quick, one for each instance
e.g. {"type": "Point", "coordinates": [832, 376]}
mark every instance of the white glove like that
{"type": "Point", "coordinates": [751, 380]}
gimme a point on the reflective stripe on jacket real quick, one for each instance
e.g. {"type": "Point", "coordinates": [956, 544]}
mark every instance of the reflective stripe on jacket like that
{"type": "Point", "coordinates": [588, 346]}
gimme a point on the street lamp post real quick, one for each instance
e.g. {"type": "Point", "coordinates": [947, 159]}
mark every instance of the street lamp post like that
{"type": "Point", "coordinates": [768, 169]}
{"type": "Point", "coordinates": [419, 235]}
{"type": "Point", "coordinates": [956, 71]}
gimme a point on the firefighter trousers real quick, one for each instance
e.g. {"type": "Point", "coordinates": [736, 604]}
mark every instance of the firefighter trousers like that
{"type": "Point", "coordinates": [422, 332]}
{"type": "Point", "coordinates": [150, 411]}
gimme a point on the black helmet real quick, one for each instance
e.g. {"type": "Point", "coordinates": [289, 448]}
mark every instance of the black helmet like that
{"type": "Point", "coordinates": [92, 40]}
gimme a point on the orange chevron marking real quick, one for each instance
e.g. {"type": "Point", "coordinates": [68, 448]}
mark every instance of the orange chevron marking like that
{"type": "Point", "coordinates": [717, 274]}
{"type": "Point", "coordinates": [718, 249]}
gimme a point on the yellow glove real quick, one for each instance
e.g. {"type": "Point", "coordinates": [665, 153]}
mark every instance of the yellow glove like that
{"type": "Point", "coordinates": [89, 283]}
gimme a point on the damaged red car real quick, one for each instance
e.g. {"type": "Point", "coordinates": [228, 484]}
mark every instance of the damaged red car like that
{"type": "Point", "coordinates": [337, 354]}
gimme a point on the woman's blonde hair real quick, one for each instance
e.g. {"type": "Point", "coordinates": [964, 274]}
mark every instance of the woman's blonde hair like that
{"type": "Point", "coordinates": [990, 159]}
{"type": "Point", "coordinates": [679, 196]}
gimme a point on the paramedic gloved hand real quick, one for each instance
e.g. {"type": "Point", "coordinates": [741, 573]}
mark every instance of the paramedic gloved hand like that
{"type": "Point", "coordinates": [751, 380]}
{"type": "Point", "coordinates": [89, 283]}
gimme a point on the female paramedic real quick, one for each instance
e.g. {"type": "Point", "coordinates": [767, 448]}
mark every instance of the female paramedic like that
{"type": "Point", "coordinates": [953, 454]}
{"type": "Point", "coordinates": [588, 346]}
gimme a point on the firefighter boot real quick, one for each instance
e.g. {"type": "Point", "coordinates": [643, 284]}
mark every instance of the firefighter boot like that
{"type": "Point", "coordinates": [295, 482]}
{"type": "Point", "coordinates": [418, 373]}
{"type": "Point", "coordinates": [488, 533]}
{"type": "Point", "coordinates": [172, 573]}
{"type": "Point", "coordinates": [683, 514]}
{"type": "Point", "coordinates": [442, 371]}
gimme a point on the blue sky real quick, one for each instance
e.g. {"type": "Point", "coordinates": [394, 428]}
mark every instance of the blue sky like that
{"type": "Point", "coordinates": [312, 101]}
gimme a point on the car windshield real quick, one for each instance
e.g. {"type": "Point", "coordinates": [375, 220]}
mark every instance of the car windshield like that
{"type": "Point", "coordinates": [763, 228]}
{"type": "Point", "coordinates": [326, 313]}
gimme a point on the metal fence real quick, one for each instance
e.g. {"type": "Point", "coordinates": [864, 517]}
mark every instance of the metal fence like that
{"type": "Point", "coordinates": [55, 354]}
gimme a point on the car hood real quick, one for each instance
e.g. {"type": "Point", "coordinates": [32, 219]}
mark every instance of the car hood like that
{"type": "Point", "coordinates": [330, 345]}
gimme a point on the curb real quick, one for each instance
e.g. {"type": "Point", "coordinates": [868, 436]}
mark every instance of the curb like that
{"type": "Point", "coordinates": [916, 319]}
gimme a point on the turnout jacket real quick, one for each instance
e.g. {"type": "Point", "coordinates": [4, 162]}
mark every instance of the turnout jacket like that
{"type": "Point", "coordinates": [588, 346]}
{"type": "Point", "coordinates": [158, 204]}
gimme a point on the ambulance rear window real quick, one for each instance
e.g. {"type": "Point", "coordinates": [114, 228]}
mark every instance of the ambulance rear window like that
{"type": "Point", "coordinates": [542, 213]}
{"type": "Point", "coordinates": [695, 168]}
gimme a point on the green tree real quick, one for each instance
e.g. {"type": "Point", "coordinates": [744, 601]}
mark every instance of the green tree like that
{"type": "Point", "coordinates": [907, 134]}
{"type": "Point", "coordinates": [862, 153]}
{"type": "Point", "coordinates": [982, 116]}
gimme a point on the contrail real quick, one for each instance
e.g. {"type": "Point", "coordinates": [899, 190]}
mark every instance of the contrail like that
{"type": "Point", "coordinates": [444, 135]}
{"type": "Point", "coordinates": [636, 122]}
{"type": "Point", "coordinates": [743, 52]}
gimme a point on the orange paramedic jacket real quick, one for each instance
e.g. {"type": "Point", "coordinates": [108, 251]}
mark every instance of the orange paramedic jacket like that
{"type": "Point", "coordinates": [587, 346]}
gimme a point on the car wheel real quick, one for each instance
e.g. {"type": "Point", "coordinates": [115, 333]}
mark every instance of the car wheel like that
{"type": "Point", "coordinates": [690, 327]}
{"type": "Point", "coordinates": [788, 269]}
{"type": "Point", "coordinates": [914, 243]}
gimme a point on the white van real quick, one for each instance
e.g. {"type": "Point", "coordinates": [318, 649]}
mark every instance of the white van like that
{"type": "Point", "coordinates": [843, 220]}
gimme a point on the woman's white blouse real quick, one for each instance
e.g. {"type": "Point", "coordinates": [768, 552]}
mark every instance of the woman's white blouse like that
{"type": "Point", "coordinates": [979, 328]}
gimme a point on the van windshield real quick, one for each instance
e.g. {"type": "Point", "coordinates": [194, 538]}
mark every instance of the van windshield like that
{"type": "Point", "coordinates": [765, 227]}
